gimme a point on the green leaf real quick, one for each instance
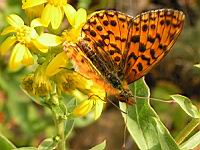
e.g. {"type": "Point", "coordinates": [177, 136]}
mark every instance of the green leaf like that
{"type": "Point", "coordinates": [192, 142]}
{"type": "Point", "coordinates": [69, 125]}
{"type": "Point", "coordinates": [5, 144]}
{"type": "Point", "coordinates": [60, 109]}
{"type": "Point", "coordinates": [26, 148]}
{"type": "Point", "coordinates": [144, 124]}
{"type": "Point", "coordinates": [197, 65]}
{"type": "Point", "coordinates": [185, 132]}
{"type": "Point", "coordinates": [100, 146]}
{"type": "Point", "coordinates": [186, 105]}
{"type": "Point", "coordinates": [48, 144]}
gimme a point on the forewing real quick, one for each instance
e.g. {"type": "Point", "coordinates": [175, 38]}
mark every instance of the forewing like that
{"type": "Point", "coordinates": [106, 33]}
{"type": "Point", "coordinates": [152, 35]}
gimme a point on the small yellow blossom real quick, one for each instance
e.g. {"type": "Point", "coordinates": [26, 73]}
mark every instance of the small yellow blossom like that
{"type": "Point", "coordinates": [68, 80]}
{"type": "Point", "coordinates": [53, 11]}
{"type": "Point", "coordinates": [21, 40]}
{"type": "Point", "coordinates": [77, 20]}
{"type": "Point", "coordinates": [37, 84]}
{"type": "Point", "coordinates": [41, 85]}
{"type": "Point", "coordinates": [93, 104]}
{"type": "Point", "coordinates": [27, 83]}
{"type": "Point", "coordinates": [90, 96]}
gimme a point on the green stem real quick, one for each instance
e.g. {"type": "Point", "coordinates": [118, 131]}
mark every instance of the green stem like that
{"type": "Point", "coordinates": [187, 130]}
{"type": "Point", "coordinates": [60, 133]}
{"type": "Point", "coordinates": [59, 126]}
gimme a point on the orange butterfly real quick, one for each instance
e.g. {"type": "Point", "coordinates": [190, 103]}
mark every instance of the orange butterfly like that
{"type": "Point", "coordinates": [116, 49]}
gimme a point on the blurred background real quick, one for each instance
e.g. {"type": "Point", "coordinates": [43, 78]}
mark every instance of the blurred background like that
{"type": "Point", "coordinates": [21, 117]}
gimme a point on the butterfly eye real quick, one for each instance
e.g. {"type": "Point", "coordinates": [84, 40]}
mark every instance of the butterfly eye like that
{"type": "Point", "coordinates": [121, 96]}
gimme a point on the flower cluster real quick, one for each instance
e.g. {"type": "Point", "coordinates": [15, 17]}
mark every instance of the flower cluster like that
{"type": "Point", "coordinates": [36, 44]}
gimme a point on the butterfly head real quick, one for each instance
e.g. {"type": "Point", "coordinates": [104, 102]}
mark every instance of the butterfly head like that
{"type": "Point", "coordinates": [126, 97]}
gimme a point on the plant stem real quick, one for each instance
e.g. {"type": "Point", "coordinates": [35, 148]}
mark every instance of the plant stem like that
{"type": "Point", "coordinates": [59, 121]}
{"type": "Point", "coordinates": [60, 133]}
{"type": "Point", "coordinates": [60, 127]}
{"type": "Point", "coordinates": [187, 130]}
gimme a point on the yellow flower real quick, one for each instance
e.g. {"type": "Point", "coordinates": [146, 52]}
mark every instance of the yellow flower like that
{"type": "Point", "coordinates": [57, 64]}
{"type": "Point", "coordinates": [27, 83]}
{"type": "Point", "coordinates": [34, 12]}
{"type": "Point", "coordinates": [96, 98]}
{"type": "Point", "coordinates": [41, 85]}
{"type": "Point", "coordinates": [76, 19]}
{"type": "Point", "coordinates": [93, 104]}
{"type": "Point", "coordinates": [37, 84]}
{"type": "Point", "coordinates": [68, 80]}
{"type": "Point", "coordinates": [53, 11]}
{"type": "Point", "coordinates": [22, 38]}
{"type": "Point", "coordinates": [90, 96]}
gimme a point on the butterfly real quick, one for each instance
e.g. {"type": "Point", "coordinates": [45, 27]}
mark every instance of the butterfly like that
{"type": "Point", "coordinates": [116, 49]}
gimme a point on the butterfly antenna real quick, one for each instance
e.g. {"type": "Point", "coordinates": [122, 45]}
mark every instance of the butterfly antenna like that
{"type": "Point", "coordinates": [154, 99]}
{"type": "Point", "coordinates": [125, 128]}
{"type": "Point", "coordinates": [96, 96]}
{"type": "Point", "coordinates": [115, 105]}
{"type": "Point", "coordinates": [109, 101]}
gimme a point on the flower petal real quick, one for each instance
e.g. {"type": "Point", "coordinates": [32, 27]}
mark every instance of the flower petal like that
{"type": "Point", "coordinates": [8, 30]}
{"type": "Point", "coordinates": [28, 58]}
{"type": "Point", "coordinates": [79, 95]}
{"type": "Point", "coordinates": [98, 108]}
{"type": "Point", "coordinates": [80, 17]}
{"type": "Point", "coordinates": [56, 64]}
{"type": "Point", "coordinates": [49, 39]}
{"type": "Point", "coordinates": [34, 12]}
{"type": "Point", "coordinates": [70, 13]}
{"type": "Point", "coordinates": [84, 108]}
{"type": "Point", "coordinates": [39, 46]}
{"type": "Point", "coordinates": [33, 33]}
{"type": "Point", "coordinates": [17, 56]}
{"type": "Point", "coordinates": [7, 44]}
{"type": "Point", "coordinates": [56, 17]}
{"type": "Point", "coordinates": [32, 3]}
{"type": "Point", "coordinates": [15, 21]}
{"type": "Point", "coordinates": [46, 15]}
{"type": "Point", "coordinates": [36, 22]}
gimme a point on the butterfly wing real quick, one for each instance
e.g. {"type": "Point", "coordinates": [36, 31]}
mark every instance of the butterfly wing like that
{"type": "Point", "coordinates": [125, 48]}
{"type": "Point", "coordinates": [152, 35]}
{"type": "Point", "coordinates": [84, 67]}
{"type": "Point", "coordinates": [106, 34]}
